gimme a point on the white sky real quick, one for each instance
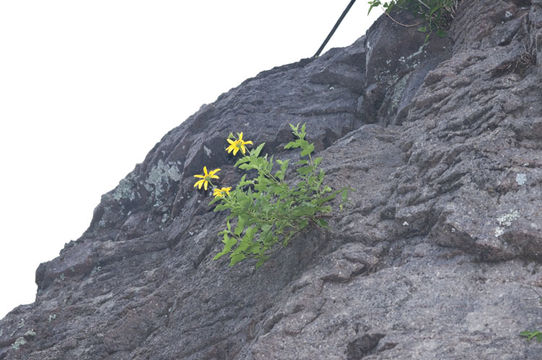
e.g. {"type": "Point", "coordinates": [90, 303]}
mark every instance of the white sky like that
{"type": "Point", "coordinates": [88, 87]}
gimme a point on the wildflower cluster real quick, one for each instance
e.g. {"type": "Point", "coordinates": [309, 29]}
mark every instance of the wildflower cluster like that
{"type": "Point", "coordinates": [266, 210]}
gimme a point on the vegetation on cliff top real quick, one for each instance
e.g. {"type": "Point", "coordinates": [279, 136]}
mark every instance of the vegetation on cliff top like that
{"type": "Point", "coordinates": [435, 15]}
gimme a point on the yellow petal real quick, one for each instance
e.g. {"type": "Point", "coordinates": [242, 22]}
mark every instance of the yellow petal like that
{"type": "Point", "coordinates": [199, 176]}
{"type": "Point", "coordinates": [234, 145]}
{"type": "Point", "coordinates": [212, 173]}
{"type": "Point", "coordinates": [231, 141]}
{"type": "Point", "coordinates": [248, 143]}
{"type": "Point", "coordinates": [205, 170]}
{"type": "Point", "coordinates": [199, 183]}
{"type": "Point", "coordinates": [205, 183]}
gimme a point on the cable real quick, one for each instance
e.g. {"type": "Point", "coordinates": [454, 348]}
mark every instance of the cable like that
{"type": "Point", "coordinates": [334, 28]}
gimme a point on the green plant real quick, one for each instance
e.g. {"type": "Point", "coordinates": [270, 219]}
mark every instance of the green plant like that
{"type": "Point", "coordinates": [532, 334]}
{"type": "Point", "coordinates": [266, 209]}
{"type": "Point", "coordinates": [435, 14]}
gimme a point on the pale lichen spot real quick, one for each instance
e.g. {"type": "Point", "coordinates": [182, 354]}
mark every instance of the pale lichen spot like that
{"type": "Point", "coordinates": [125, 190]}
{"type": "Point", "coordinates": [505, 221]}
{"type": "Point", "coordinates": [161, 175]}
{"type": "Point", "coordinates": [521, 179]}
{"type": "Point", "coordinates": [20, 341]}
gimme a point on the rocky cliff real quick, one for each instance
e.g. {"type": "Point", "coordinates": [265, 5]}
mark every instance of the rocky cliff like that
{"type": "Point", "coordinates": [437, 256]}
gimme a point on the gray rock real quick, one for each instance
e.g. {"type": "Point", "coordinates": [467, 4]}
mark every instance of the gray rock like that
{"type": "Point", "coordinates": [437, 255]}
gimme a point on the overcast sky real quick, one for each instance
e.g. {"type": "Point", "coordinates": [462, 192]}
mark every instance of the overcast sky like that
{"type": "Point", "coordinates": [88, 87]}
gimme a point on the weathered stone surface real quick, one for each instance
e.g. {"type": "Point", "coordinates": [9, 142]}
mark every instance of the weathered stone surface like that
{"type": "Point", "coordinates": [437, 256]}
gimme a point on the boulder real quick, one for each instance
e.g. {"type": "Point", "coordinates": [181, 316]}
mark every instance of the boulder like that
{"type": "Point", "coordinates": [436, 256]}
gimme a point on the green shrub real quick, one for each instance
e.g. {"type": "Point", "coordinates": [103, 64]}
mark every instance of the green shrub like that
{"type": "Point", "coordinates": [436, 15]}
{"type": "Point", "coordinates": [266, 210]}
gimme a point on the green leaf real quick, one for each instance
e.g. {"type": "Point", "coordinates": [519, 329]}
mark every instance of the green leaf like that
{"type": "Point", "coordinates": [305, 210]}
{"type": "Point", "coordinates": [322, 223]}
{"type": "Point", "coordinates": [221, 207]}
{"type": "Point", "coordinates": [317, 161]}
{"type": "Point", "coordinates": [256, 152]}
{"type": "Point", "coordinates": [243, 183]}
{"type": "Point", "coordinates": [532, 334]}
{"type": "Point", "coordinates": [307, 150]}
{"type": "Point", "coordinates": [242, 160]}
{"type": "Point", "coordinates": [229, 242]}
{"type": "Point", "coordinates": [241, 222]}
{"type": "Point", "coordinates": [373, 4]}
{"type": "Point", "coordinates": [295, 144]}
{"type": "Point", "coordinates": [250, 233]}
{"type": "Point", "coordinates": [344, 195]}
{"type": "Point", "coordinates": [234, 259]}
{"type": "Point", "coordinates": [283, 168]}
{"type": "Point", "coordinates": [304, 170]}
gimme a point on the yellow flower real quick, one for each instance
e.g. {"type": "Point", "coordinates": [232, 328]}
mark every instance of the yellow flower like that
{"type": "Point", "coordinates": [221, 192]}
{"type": "Point", "coordinates": [236, 145]}
{"type": "Point", "coordinates": [206, 178]}
{"type": "Point", "coordinates": [242, 143]}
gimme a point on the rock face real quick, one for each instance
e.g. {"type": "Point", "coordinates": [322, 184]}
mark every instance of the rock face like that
{"type": "Point", "coordinates": [437, 256]}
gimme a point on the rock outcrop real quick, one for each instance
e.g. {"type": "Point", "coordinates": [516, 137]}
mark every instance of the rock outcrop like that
{"type": "Point", "coordinates": [437, 256]}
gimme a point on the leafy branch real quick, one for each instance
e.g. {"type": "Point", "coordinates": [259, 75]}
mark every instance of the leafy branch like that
{"type": "Point", "coordinates": [267, 210]}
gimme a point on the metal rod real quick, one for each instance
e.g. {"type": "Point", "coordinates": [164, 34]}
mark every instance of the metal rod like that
{"type": "Point", "coordinates": [334, 28]}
